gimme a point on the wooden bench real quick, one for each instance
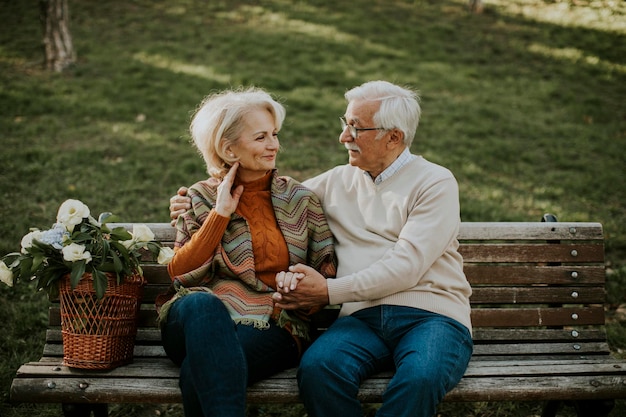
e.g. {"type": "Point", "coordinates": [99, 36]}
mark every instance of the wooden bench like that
{"type": "Point", "coordinates": [537, 311]}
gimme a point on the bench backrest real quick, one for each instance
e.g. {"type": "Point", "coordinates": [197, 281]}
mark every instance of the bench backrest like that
{"type": "Point", "coordinates": [538, 290]}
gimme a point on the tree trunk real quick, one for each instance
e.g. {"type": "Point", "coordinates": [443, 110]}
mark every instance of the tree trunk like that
{"type": "Point", "coordinates": [476, 6]}
{"type": "Point", "coordinates": [57, 40]}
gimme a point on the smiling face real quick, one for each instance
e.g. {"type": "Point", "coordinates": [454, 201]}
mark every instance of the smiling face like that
{"type": "Point", "coordinates": [257, 146]}
{"type": "Point", "coordinates": [365, 151]}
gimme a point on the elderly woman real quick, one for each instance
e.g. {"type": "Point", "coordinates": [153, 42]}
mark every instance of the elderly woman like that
{"type": "Point", "coordinates": [245, 225]}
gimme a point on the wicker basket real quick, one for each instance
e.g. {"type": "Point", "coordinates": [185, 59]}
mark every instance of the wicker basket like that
{"type": "Point", "coordinates": [99, 334]}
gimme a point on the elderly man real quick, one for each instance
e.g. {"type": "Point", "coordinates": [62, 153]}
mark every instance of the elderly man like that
{"type": "Point", "coordinates": [405, 300]}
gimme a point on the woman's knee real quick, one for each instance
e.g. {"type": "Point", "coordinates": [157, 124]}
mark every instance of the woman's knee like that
{"type": "Point", "coordinates": [196, 304]}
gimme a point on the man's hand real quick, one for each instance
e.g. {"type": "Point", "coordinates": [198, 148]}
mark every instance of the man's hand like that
{"type": "Point", "coordinates": [300, 288]}
{"type": "Point", "coordinates": [179, 204]}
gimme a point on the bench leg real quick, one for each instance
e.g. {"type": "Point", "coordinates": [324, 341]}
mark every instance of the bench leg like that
{"type": "Point", "coordinates": [85, 410]}
{"type": "Point", "coordinates": [594, 408]}
{"type": "Point", "coordinates": [584, 408]}
{"type": "Point", "coordinates": [550, 408]}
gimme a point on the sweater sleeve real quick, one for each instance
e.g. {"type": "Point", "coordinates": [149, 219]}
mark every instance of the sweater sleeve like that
{"type": "Point", "coordinates": [195, 252]}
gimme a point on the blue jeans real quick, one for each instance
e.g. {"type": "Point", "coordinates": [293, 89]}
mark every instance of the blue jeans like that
{"type": "Point", "coordinates": [428, 351]}
{"type": "Point", "coordinates": [218, 359]}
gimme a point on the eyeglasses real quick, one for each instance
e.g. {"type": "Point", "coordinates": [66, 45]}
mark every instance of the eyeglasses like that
{"type": "Point", "coordinates": [354, 131]}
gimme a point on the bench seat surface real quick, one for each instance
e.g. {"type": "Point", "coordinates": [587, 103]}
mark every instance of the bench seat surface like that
{"type": "Point", "coordinates": [537, 311]}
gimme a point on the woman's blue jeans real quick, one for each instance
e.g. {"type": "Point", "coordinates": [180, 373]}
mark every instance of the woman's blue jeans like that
{"type": "Point", "coordinates": [218, 359]}
{"type": "Point", "coordinates": [428, 351]}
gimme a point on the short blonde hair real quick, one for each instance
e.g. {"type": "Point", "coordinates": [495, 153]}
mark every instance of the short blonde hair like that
{"type": "Point", "coordinates": [218, 123]}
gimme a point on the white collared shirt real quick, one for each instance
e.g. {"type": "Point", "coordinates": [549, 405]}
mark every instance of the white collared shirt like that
{"type": "Point", "coordinates": [404, 158]}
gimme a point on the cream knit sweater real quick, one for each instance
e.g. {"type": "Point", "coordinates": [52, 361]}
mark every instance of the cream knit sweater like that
{"type": "Point", "coordinates": [396, 242]}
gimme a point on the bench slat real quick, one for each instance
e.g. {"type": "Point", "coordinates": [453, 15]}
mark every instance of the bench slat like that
{"type": "Point", "coordinates": [480, 296]}
{"type": "Point", "coordinates": [506, 349]}
{"type": "Point", "coordinates": [510, 252]}
{"type": "Point", "coordinates": [477, 274]}
{"type": "Point", "coordinates": [516, 383]}
{"type": "Point", "coordinates": [530, 231]}
{"type": "Point", "coordinates": [537, 295]}
{"type": "Point", "coordinates": [515, 335]}
{"type": "Point", "coordinates": [154, 390]}
{"type": "Point", "coordinates": [513, 317]}
{"type": "Point", "coordinates": [152, 336]}
{"type": "Point", "coordinates": [505, 316]}
{"type": "Point", "coordinates": [164, 368]}
{"type": "Point", "coordinates": [497, 294]}
{"type": "Point", "coordinates": [497, 274]}
{"type": "Point", "coordinates": [468, 231]}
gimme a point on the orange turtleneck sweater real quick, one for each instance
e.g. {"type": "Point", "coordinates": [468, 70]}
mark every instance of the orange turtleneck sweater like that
{"type": "Point", "coordinates": [268, 244]}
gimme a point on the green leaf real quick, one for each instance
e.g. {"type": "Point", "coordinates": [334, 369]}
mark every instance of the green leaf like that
{"type": "Point", "coordinates": [79, 237]}
{"type": "Point", "coordinates": [26, 267]}
{"type": "Point", "coordinates": [102, 218]}
{"type": "Point", "coordinates": [154, 249]}
{"type": "Point", "coordinates": [119, 233]}
{"type": "Point", "coordinates": [106, 249]}
{"type": "Point", "coordinates": [121, 250]}
{"type": "Point", "coordinates": [78, 270]}
{"type": "Point", "coordinates": [119, 266]}
{"type": "Point", "coordinates": [107, 267]}
{"type": "Point", "coordinates": [37, 261]}
{"type": "Point", "coordinates": [100, 283]}
{"type": "Point", "coordinates": [53, 291]}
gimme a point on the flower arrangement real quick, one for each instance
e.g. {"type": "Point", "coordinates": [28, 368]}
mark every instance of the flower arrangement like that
{"type": "Point", "coordinates": [78, 244]}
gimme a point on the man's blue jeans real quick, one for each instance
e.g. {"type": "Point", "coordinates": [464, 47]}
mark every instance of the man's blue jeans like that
{"type": "Point", "coordinates": [428, 351]}
{"type": "Point", "coordinates": [218, 358]}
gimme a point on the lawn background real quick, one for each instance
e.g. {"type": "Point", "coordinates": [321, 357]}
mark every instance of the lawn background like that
{"type": "Point", "coordinates": [524, 103]}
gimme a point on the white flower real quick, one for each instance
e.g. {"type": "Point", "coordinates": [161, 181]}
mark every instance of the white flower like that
{"type": "Point", "coordinates": [6, 275]}
{"type": "Point", "coordinates": [27, 241]}
{"type": "Point", "coordinates": [165, 255]}
{"type": "Point", "coordinates": [128, 244]}
{"type": "Point", "coordinates": [75, 252]}
{"type": "Point", "coordinates": [142, 233]}
{"type": "Point", "coordinates": [95, 222]}
{"type": "Point", "coordinates": [71, 213]}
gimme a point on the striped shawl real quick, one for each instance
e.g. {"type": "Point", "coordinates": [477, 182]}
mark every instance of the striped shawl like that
{"type": "Point", "coordinates": [230, 272]}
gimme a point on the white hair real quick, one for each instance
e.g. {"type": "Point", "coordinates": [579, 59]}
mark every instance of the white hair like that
{"type": "Point", "coordinates": [399, 106]}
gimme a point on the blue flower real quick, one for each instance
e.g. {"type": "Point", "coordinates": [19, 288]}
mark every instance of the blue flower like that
{"type": "Point", "coordinates": [55, 236]}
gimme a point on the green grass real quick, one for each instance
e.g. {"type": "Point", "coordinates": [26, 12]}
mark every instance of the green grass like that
{"type": "Point", "coordinates": [524, 103]}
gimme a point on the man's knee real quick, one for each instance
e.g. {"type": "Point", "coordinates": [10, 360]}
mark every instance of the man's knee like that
{"type": "Point", "coordinates": [428, 379]}
{"type": "Point", "coordinates": [315, 361]}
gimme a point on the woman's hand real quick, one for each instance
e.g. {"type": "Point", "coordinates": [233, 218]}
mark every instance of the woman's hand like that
{"type": "Point", "coordinates": [301, 288]}
{"type": "Point", "coordinates": [227, 200]}
{"type": "Point", "coordinates": [287, 280]}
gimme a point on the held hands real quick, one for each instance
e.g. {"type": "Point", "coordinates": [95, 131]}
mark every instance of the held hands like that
{"type": "Point", "coordinates": [302, 287]}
